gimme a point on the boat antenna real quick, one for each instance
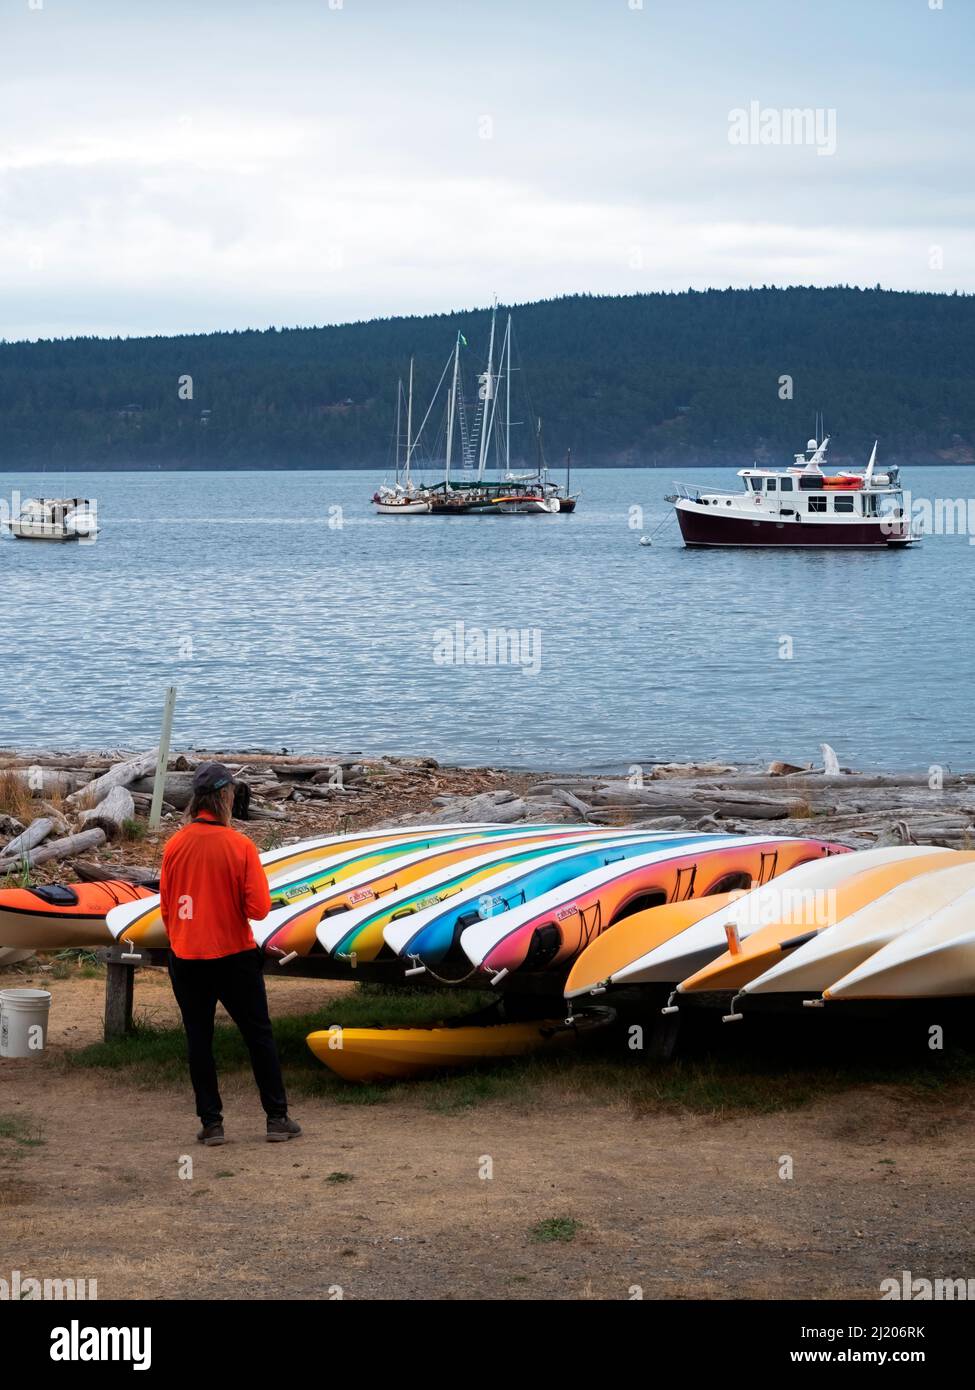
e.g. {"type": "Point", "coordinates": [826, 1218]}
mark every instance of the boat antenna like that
{"type": "Point", "coordinates": [873, 459]}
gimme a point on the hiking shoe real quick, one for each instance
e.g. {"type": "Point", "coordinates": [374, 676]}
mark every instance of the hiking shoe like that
{"type": "Point", "coordinates": [280, 1128]}
{"type": "Point", "coordinates": [211, 1135]}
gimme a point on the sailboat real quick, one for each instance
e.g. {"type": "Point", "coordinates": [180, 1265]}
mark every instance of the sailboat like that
{"type": "Point", "coordinates": [404, 498]}
{"type": "Point", "coordinates": [475, 494]}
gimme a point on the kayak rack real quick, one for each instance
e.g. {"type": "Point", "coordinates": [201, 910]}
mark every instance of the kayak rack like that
{"type": "Point", "coordinates": [122, 962]}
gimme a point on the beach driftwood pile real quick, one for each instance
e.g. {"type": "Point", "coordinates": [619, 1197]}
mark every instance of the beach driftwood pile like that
{"type": "Point", "coordinates": [91, 810]}
{"type": "Point", "coordinates": [862, 810]}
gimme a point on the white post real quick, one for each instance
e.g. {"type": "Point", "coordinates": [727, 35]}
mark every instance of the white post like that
{"type": "Point", "coordinates": [155, 810]}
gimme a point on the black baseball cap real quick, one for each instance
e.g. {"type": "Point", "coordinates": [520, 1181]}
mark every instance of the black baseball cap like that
{"type": "Point", "coordinates": [212, 777]}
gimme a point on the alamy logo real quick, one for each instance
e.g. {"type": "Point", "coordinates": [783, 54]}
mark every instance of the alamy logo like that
{"type": "Point", "coordinates": [26, 1288]}
{"type": "Point", "coordinates": [77, 1343]}
{"type": "Point", "coordinates": [790, 125]}
{"type": "Point", "coordinates": [493, 646]}
{"type": "Point", "coordinates": [927, 1290]}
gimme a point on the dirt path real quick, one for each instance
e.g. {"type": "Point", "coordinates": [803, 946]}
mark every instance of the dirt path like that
{"type": "Point", "coordinates": [681, 1206]}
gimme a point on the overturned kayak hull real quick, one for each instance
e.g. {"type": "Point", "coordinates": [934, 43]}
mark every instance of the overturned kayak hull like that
{"type": "Point", "coordinates": [804, 888]}
{"type": "Point", "coordinates": [295, 867]}
{"type": "Point", "coordinates": [553, 930]}
{"type": "Point", "coordinates": [833, 953]}
{"type": "Point", "coordinates": [593, 970]}
{"type": "Point", "coordinates": [934, 960]}
{"type": "Point", "coordinates": [733, 969]}
{"type": "Point", "coordinates": [394, 1054]}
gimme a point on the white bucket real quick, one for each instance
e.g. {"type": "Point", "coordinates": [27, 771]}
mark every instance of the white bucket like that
{"type": "Point", "coordinates": [23, 1021]}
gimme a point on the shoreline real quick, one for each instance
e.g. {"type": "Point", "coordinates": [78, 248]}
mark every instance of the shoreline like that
{"type": "Point", "coordinates": [50, 823]}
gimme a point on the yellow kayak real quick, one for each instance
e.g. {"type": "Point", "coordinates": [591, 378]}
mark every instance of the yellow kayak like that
{"type": "Point", "coordinates": [771, 944]}
{"type": "Point", "coordinates": [613, 950]}
{"type": "Point", "coordinates": [387, 1054]}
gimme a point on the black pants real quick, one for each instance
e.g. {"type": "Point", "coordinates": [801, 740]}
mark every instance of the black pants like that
{"type": "Point", "coordinates": [237, 983]}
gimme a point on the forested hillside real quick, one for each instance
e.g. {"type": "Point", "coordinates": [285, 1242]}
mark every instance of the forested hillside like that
{"type": "Point", "coordinates": [640, 379]}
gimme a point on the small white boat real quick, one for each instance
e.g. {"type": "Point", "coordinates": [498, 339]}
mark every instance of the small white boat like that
{"type": "Point", "coordinates": [55, 519]}
{"type": "Point", "coordinates": [397, 501]}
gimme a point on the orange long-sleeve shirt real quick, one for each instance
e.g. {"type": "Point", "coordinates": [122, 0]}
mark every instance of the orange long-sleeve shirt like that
{"type": "Point", "coordinates": [212, 882]}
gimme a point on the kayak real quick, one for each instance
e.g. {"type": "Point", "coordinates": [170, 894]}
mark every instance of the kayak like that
{"type": "Point", "coordinates": [349, 921]}
{"type": "Point", "coordinates": [555, 928]}
{"type": "Point", "coordinates": [431, 931]}
{"type": "Point", "coordinates": [666, 957]}
{"type": "Point", "coordinates": [765, 947]}
{"type": "Point", "coordinates": [833, 953]}
{"type": "Point", "coordinates": [55, 916]}
{"type": "Point", "coordinates": [593, 969]}
{"type": "Point", "coordinates": [387, 1054]}
{"type": "Point", "coordinates": [295, 871]}
{"type": "Point", "coordinates": [935, 959]}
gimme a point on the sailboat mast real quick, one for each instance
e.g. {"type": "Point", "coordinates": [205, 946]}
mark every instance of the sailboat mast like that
{"type": "Point", "coordinates": [409, 425]}
{"type": "Point", "coordinates": [488, 395]}
{"type": "Point", "coordinates": [451, 407]}
{"type": "Point", "coordinates": [399, 408]}
{"type": "Point", "coordinates": [507, 416]}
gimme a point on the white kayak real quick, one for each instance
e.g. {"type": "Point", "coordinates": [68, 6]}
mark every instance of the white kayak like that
{"type": "Point", "coordinates": [791, 893]}
{"type": "Point", "coordinates": [833, 953]}
{"type": "Point", "coordinates": [935, 959]}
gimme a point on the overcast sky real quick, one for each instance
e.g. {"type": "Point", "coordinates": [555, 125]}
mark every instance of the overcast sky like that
{"type": "Point", "coordinates": [203, 164]}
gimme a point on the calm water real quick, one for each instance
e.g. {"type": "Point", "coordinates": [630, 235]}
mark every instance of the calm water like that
{"type": "Point", "coordinates": [281, 630]}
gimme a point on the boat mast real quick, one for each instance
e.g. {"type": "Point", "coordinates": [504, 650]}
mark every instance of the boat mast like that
{"type": "Point", "coordinates": [568, 470]}
{"type": "Point", "coordinates": [399, 406]}
{"type": "Point", "coordinates": [488, 395]}
{"type": "Point", "coordinates": [451, 407]}
{"type": "Point", "coordinates": [409, 426]}
{"type": "Point", "coordinates": [507, 407]}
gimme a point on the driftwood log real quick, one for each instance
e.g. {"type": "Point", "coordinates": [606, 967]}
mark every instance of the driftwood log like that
{"type": "Point", "coordinates": [37, 831]}
{"type": "Point", "coordinates": [90, 872]}
{"type": "Point", "coordinates": [45, 781]}
{"type": "Point", "coordinates": [56, 849]}
{"type": "Point", "coordinates": [121, 775]}
{"type": "Point", "coordinates": [111, 813]}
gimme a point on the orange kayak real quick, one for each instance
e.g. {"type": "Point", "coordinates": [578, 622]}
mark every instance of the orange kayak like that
{"type": "Point", "coordinates": [55, 915]}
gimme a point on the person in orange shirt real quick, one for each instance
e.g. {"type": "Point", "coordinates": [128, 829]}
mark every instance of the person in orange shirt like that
{"type": "Point", "coordinates": [212, 883]}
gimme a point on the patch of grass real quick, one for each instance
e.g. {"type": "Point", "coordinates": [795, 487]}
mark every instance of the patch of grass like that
{"type": "Point", "coordinates": [340, 1177]}
{"type": "Point", "coordinates": [152, 1055]}
{"type": "Point", "coordinates": [23, 1132]}
{"type": "Point", "coordinates": [556, 1228]}
{"type": "Point", "coordinates": [133, 829]}
{"type": "Point", "coordinates": [225, 1174]}
{"type": "Point", "coordinates": [17, 878]}
{"type": "Point", "coordinates": [77, 963]}
{"type": "Point", "coordinates": [15, 795]}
